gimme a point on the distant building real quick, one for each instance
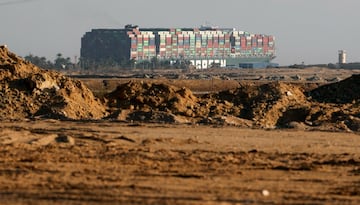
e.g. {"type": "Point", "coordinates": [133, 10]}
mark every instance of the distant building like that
{"type": "Point", "coordinates": [342, 57]}
{"type": "Point", "coordinates": [203, 47]}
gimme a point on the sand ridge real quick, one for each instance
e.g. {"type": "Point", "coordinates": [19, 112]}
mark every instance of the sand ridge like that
{"type": "Point", "coordinates": [28, 91]}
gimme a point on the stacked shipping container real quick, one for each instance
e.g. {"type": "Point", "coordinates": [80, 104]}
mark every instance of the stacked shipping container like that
{"type": "Point", "coordinates": [213, 45]}
{"type": "Point", "coordinates": [143, 45]}
{"type": "Point", "coordinates": [176, 43]}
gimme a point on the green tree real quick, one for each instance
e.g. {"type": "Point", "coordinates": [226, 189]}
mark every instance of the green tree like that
{"type": "Point", "coordinates": [41, 62]}
{"type": "Point", "coordinates": [63, 63]}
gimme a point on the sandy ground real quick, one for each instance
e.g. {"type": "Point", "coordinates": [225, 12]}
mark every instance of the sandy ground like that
{"type": "Point", "coordinates": [103, 162]}
{"type": "Point", "coordinates": [116, 161]}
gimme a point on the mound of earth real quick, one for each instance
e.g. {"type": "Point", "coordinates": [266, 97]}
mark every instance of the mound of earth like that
{"type": "Point", "coordinates": [28, 91]}
{"type": "Point", "coordinates": [345, 91]}
{"type": "Point", "coordinates": [153, 97]}
{"type": "Point", "coordinates": [330, 116]}
{"type": "Point", "coordinates": [269, 105]}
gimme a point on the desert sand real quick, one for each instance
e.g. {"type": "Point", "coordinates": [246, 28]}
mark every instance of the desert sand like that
{"type": "Point", "coordinates": [164, 141]}
{"type": "Point", "coordinates": [59, 162]}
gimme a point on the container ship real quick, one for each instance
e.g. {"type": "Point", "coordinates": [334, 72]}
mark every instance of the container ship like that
{"type": "Point", "coordinates": [203, 47]}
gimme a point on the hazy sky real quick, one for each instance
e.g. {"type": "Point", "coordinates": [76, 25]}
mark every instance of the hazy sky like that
{"type": "Point", "coordinates": [310, 31]}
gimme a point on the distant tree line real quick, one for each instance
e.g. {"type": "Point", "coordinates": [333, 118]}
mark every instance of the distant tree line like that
{"type": "Point", "coordinates": [59, 63]}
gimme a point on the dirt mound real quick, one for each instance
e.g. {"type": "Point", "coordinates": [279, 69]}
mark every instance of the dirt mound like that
{"type": "Point", "coordinates": [345, 91]}
{"type": "Point", "coordinates": [269, 105]}
{"type": "Point", "coordinates": [153, 97]}
{"type": "Point", "coordinates": [329, 116]}
{"type": "Point", "coordinates": [27, 91]}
